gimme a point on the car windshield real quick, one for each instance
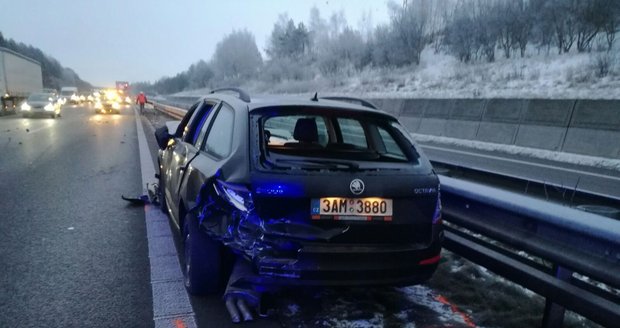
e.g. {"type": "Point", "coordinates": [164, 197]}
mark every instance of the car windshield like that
{"type": "Point", "coordinates": [333, 138]}
{"type": "Point", "coordinates": [40, 97]}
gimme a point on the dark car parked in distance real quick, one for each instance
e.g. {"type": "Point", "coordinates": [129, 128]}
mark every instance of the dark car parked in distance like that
{"type": "Point", "coordinates": [314, 191]}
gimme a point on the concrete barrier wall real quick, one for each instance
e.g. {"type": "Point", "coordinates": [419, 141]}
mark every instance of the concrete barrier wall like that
{"type": "Point", "coordinates": [544, 123]}
{"type": "Point", "coordinates": [589, 127]}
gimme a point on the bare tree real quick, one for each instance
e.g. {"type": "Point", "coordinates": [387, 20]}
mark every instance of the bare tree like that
{"type": "Point", "coordinates": [459, 34]}
{"type": "Point", "coordinates": [318, 31]}
{"type": "Point", "coordinates": [542, 32]}
{"type": "Point", "coordinates": [522, 28]}
{"type": "Point", "coordinates": [409, 23]}
{"type": "Point", "coordinates": [485, 23]}
{"type": "Point", "coordinates": [591, 19]}
{"type": "Point", "coordinates": [337, 23]}
{"type": "Point", "coordinates": [199, 75]}
{"type": "Point", "coordinates": [611, 24]}
{"type": "Point", "coordinates": [288, 40]}
{"type": "Point", "coordinates": [563, 14]}
{"type": "Point", "coordinates": [237, 56]}
{"type": "Point", "coordinates": [345, 51]}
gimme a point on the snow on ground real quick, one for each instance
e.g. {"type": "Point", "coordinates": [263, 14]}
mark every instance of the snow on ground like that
{"type": "Point", "coordinates": [413, 306]}
{"type": "Point", "coordinates": [538, 75]}
{"type": "Point", "coordinates": [550, 76]}
{"type": "Point", "coordinates": [583, 160]}
{"type": "Point", "coordinates": [427, 297]}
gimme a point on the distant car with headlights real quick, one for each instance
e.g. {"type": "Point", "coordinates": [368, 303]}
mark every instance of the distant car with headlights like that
{"type": "Point", "coordinates": [41, 104]}
{"type": "Point", "coordinates": [108, 102]}
{"type": "Point", "coordinates": [69, 95]}
{"type": "Point", "coordinates": [317, 191]}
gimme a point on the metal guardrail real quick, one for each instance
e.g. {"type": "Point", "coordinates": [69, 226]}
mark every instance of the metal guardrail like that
{"type": "Point", "coordinates": [172, 110]}
{"type": "Point", "coordinates": [570, 253]}
{"type": "Point", "coordinates": [495, 228]}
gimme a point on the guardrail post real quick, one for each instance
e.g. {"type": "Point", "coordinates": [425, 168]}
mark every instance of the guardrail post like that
{"type": "Point", "coordinates": [554, 313]}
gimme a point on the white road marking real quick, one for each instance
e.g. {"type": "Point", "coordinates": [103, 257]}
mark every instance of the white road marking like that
{"type": "Point", "coordinates": [523, 162]}
{"type": "Point", "coordinates": [171, 304]}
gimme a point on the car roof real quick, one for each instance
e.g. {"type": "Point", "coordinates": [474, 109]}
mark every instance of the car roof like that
{"type": "Point", "coordinates": [293, 102]}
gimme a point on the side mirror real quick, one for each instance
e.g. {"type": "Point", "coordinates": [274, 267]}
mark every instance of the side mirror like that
{"type": "Point", "coordinates": [162, 136]}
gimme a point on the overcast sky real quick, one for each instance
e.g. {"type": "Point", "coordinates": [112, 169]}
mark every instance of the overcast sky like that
{"type": "Point", "coordinates": [143, 40]}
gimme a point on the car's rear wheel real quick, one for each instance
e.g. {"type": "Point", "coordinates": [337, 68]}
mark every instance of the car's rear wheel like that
{"type": "Point", "coordinates": [202, 269]}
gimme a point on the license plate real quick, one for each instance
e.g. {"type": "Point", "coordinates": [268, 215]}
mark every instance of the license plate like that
{"type": "Point", "coordinates": [352, 208]}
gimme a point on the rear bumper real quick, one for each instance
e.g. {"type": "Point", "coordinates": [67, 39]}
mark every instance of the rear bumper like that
{"type": "Point", "coordinates": [347, 265]}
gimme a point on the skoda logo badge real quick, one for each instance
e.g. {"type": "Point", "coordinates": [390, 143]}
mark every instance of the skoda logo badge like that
{"type": "Point", "coordinates": [357, 186]}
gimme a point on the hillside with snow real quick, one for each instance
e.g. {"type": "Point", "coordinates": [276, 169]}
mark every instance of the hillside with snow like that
{"type": "Point", "coordinates": [538, 75]}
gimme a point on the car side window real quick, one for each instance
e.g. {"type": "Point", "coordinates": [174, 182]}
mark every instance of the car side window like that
{"type": "Point", "coordinates": [181, 128]}
{"type": "Point", "coordinates": [192, 129]}
{"type": "Point", "coordinates": [219, 138]}
{"type": "Point", "coordinates": [203, 125]}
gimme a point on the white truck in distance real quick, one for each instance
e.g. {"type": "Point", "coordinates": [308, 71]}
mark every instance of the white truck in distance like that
{"type": "Point", "coordinates": [19, 76]}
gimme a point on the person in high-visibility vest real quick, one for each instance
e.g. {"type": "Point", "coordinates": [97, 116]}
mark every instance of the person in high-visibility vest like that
{"type": "Point", "coordinates": [141, 100]}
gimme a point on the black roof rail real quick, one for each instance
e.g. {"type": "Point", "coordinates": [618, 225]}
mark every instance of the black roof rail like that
{"type": "Point", "coordinates": [360, 101]}
{"type": "Point", "coordinates": [242, 94]}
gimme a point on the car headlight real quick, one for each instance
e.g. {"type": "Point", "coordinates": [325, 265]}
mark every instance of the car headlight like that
{"type": "Point", "coordinates": [98, 105]}
{"type": "Point", "coordinates": [49, 107]}
{"type": "Point", "coordinates": [25, 106]}
{"type": "Point", "coordinates": [116, 105]}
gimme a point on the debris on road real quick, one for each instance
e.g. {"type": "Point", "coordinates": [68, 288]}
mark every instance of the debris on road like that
{"type": "Point", "coordinates": [139, 200]}
{"type": "Point", "coordinates": [149, 198]}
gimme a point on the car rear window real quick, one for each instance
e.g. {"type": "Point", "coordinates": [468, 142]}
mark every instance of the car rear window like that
{"type": "Point", "coordinates": [336, 135]}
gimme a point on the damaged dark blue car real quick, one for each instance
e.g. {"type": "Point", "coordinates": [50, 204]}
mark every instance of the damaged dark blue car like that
{"type": "Point", "coordinates": [304, 192]}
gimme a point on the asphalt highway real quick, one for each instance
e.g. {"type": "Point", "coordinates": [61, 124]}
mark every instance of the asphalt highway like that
{"type": "Point", "coordinates": [73, 254]}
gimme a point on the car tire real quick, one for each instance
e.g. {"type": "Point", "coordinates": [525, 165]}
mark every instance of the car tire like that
{"type": "Point", "coordinates": [54, 116]}
{"type": "Point", "coordinates": [202, 270]}
{"type": "Point", "coordinates": [25, 115]}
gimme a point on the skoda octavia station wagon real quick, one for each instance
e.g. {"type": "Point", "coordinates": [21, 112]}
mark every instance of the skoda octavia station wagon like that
{"type": "Point", "coordinates": [307, 191]}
